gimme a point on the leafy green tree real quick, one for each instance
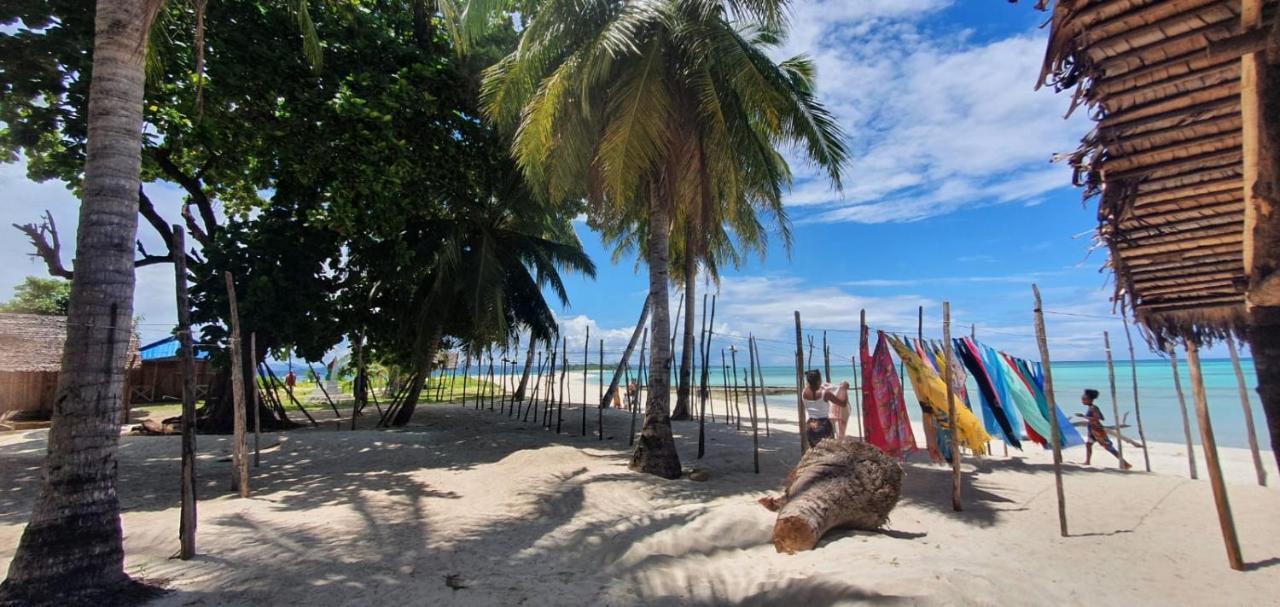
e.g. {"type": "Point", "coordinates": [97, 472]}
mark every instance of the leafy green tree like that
{"type": "Point", "coordinates": [650, 107]}
{"type": "Point", "coordinates": [47, 296]}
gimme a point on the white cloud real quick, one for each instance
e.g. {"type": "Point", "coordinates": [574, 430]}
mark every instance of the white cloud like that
{"type": "Point", "coordinates": [936, 122]}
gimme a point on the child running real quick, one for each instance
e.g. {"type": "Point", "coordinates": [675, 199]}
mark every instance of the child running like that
{"type": "Point", "coordinates": [1097, 433]}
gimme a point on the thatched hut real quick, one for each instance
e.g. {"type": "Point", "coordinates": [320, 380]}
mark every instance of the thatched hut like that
{"type": "Point", "coordinates": [30, 358]}
{"type": "Point", "coordinates": [1184, 163]}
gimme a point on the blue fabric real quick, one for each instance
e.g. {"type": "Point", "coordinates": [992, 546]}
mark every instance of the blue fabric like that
{"type": "Point", "coordinates": [992, 361]}
{"type": "Point", "coordinates": [167, 348]}
{"type": "Point", "coordinates": [1069, 436]}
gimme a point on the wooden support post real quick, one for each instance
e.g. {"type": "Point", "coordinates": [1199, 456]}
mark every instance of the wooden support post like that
{"type": "Point", "coordinates": [1137, 407]}
{"type": "Point", "coordinates": [239, 470]}
{"type": "Point", "coordinates": [586, 351]}
{"type": "Point", "coordinates": [1210, 445]}
{"type": "Point", "coordinates": [724, 384]}
{"type": "Point", "coordinates": [737, 410]}
{"type": "Point", "coordinates": [948, 377]}
{"type": "Point", "coordinates": [706, 363]}
{"type": "Point", "coordinates": [600, 394]}
{"type": "Point", "coordinates": [751, 399]}
{"type": "Point", "coordinates": [857, 394]}
{"type": "Point", "coordinates": [702, 400]}
{"type": "Point", "coordinates": [253, 402]}
{"type": "Point", "coordinates": [1115, 404]}
{"type": "Point", "coordinates": [466, 372]}
{"type": "Point", "coordinates": [323, 391]}
{"type": "Point", "coordinates": [186, 358]}
{"type": "Point", "coordinates": [1248, 412]}
{"type": "Point", "coordinates": [862, 339]}
{"type": "Point", "coordinates": [533, 396]}
{"type": "Point", "coordinates": [764, 398]}
{"type": "Point", "coordinates": [826, 357]}
{"type": "Point", "coordinates": [804, 442]}
{"type": "Point", "coordinates": [1051, 400]}
{"type": "Point", "coordinates": [1182, 405]}
{"type": "Point", "coordinates": [640, 384]}
{"type": "Point", "coordinates": [564, 382]}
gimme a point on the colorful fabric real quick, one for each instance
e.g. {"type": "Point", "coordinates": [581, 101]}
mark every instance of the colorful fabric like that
{"type": "Point", "coordinates": [993, 416]}
{"type": "Point", "coordinates": [1030, 400]}
{"type": "Point", "coordinates": [1067, 434]}
{"type": "Point", "coordinates": [884, 412]}
{"type": "Point", "coordinates": [930, 388]}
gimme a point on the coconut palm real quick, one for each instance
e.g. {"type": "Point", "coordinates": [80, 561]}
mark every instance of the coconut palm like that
{"type": "Point", "coordinates": [648, 107]}
{"type": "Point", "coordinates": [72, 547]}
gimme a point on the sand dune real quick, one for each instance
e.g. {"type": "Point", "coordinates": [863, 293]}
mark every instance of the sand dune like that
{"type": "Point", "coordinates": [469, 507]}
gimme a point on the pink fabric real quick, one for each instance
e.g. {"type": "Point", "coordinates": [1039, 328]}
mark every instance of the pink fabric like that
{"type": "Point", "coordinates": [884, 412]}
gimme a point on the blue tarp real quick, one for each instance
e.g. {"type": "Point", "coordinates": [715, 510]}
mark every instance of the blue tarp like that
{"type": "Point", "coordinates": [167, 348]}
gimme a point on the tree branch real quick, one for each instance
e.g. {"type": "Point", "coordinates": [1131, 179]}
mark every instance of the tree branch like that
{"type": "Point", "coordinates": [49, 249]}
{"type": "Point", "coordinates": [148, 212]}
{"type": "Point", "coordinates": [193, 188]}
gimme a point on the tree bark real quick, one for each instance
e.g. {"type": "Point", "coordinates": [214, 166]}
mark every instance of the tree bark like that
{"type": "Point", "coordinates": [524, 377]}
{"type": "Point", "coordinates": [626, 354]}
{"type": "Point", "coordinates": [405, 413]}
{"type": "Point", "coordinates": [842, 483]}
{"type": "Point", "coordinates": [681, 410]}
{"type": "Point", "coordinates": [1264, 344]}
{"type": "Point", "coordinates": [655, 451]}
{"type": "Point", "coordinates": [71, 551]}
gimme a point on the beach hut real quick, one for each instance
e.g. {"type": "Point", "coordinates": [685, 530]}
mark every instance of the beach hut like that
{"type": "Point", "coordinates": [30, 358]}
{"type": "Point", "coordinates": [1184, 166]}
{"type": "Point", "coordinates": [159, 376]}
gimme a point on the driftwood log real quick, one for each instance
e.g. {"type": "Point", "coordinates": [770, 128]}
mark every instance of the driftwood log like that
{"type": "Point", "coordinates": [838, 484]}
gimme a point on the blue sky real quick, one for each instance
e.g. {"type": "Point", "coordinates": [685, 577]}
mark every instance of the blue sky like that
{"type": "Point", "coordinates": [951, 195]}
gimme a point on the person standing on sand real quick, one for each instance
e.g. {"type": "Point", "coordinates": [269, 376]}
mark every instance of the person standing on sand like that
{"type": "Point", "coordinates": [1097, 433]}
{"type": "Point", "coordinates": [290, 380]}
{"type": "Point", "coordinates": [820, 400]}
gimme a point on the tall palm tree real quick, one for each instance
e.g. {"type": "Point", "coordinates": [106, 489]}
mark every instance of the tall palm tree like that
{"type": "Point", "coordinates": [655, 105]}
{"type": "Point", "coordinates": [72, 549]}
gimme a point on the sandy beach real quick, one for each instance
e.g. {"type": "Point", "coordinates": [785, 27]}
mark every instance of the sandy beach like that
{"type": "Point", "coordinates": [467, 507]}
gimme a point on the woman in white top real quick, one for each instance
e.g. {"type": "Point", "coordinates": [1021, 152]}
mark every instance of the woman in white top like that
{"type": "Point", "coordinates": [820, 399]}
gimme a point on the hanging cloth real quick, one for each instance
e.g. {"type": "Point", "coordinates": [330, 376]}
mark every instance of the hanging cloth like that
{"type": "Point", "coordinates": [995, 421]}
{"type": "Point", "coordinates": [1037, 425]}
{"type": "Point", "coordinates": [930, 388]}
{"type": "Point", "coordinates": [1067, 434]}
{"type": "Point", "coordinates": [884, 412]}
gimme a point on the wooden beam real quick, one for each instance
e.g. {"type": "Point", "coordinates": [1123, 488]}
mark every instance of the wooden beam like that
{"type": "Point", "coordinates": [1043, 342]}
{"type": "Point", "coordinates": [1220, 501]}
{"type": "Point", "coordinates": [187, 362]}
{"type": "Point", "coordinates": [1253, 40]}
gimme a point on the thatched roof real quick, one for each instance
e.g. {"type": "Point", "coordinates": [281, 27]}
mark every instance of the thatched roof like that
{"type": "Point", "coordinates": [32, 343]}
{"type": "Point", "coordinates": [1162, 78]}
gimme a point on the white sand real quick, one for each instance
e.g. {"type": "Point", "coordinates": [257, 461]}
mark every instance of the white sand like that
{"type": "Point", "coordinates": [525, 517]}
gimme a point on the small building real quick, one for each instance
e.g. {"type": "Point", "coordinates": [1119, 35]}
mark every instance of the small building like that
{"type": "Point", "coordinates": [30, 359]}
{"type": "Point", "coordinates": [159, 377]}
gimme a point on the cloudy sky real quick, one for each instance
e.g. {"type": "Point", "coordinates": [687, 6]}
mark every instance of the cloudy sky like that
{"type": "Point", "coordinates": [951, 196]}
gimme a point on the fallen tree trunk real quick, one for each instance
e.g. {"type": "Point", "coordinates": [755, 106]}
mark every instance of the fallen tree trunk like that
{"type": "Point", "coordinates": [838, 484]}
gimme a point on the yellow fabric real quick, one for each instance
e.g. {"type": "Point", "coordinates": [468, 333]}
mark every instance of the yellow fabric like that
{"type": "Point", "coordinates": [930, 388]}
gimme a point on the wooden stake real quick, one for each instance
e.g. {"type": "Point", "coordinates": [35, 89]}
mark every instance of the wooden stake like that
{"type": "Point", "coordinates": [586, 347]}
{"type": "Point", "coordinates": [322, 390]}
{"type": "Point", "coordinates": [1210, 445]}
{"type": "Point", "coordinates": [804, 442]}
{"type": "Point", "coordinates": [186, 357]}
{"type": "Point", "coordinates": [1182, 404]}
{"type": "Point", "coordinates": [862, 337]}
{"type": "Point", "coordinates": [737, 410]}
{"type": "Point", "coordinates": [640, 383]}
{"type": "Point", "coordinates": [764, 398]}
{"type": "Point", "coordinates": [253, 401]}
{"type": "Point", "coordinates": [751, 399]}
{"type": "Point", "coordinates": [600, 390]}
{"type": "Point", "coordinates": [466, 372]}
{"type": "Point", "coordinates": [724, 384]}
{"type": "Point", "coordinates": [1054, 437]}
{"type": "Point", "coordinates": [702, 400]}
{"type": "Point", "coordinates": [1248, 412]}
{"type": "Point", "coordinates": [1137, 408]}
{"type": "Point", "coordinates": [948, 375]}
{"type": "Point", "coordinates": [826, 357]}
{"type": "Point", "coordinates": [239, 470]}
{"type": "Point", "coordinates": [857, 394]}
{"type": "Point", "coordinates": [1115, 404]}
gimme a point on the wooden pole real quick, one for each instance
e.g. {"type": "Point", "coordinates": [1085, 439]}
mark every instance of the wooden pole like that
{"type": "Point", "coordinates": [1115, 404]}
{"type": "Point", "coordinates": [253, 401]}
{"type": "Point", "coordinates": [600, 390]}
{"type": "Point", "coordinates": [948, 375]}
{"type": "Point", "coordinates": [186, 356]}
{"type": "Point", "coordinates": [640, 383]}
{"type": "Point", "coordinates": [493, 385]}
{"type": "Point", "coordinates": [239, 470]}
{"type": "Point", "coordinates": [564, 382]}
{"type": "Point", "coordinates": [804, 442]}
{"type": "Point", "coordinates": [755, 425]}
{"type": "Point", "coordinates": [533, 396]}
{"type": "Point", "coordinates": [737, 410]}
{"type": "Point", "coordinates": [862, 337]}
{"type": "Point", "coordinates": [1182, 404]}
{"type": "Point", "coordinates": [1210, 445]}
{"type": "Point", "coordinates": [323, 391]}
{"type": "Point", "coordinates": [453, 375]}
{"type": "Point", "coordinates": [826, 357]}
{"type": "Point", "coordinates": [857, 394]}
{"type": "Point", "coordinates": [1051, 400]}
{"type": "Point", "coordinates": [706, 361]}
{"type": "Point", "coordinates": [1137, 407]}
{"type": "Point", "coordinates": [586, 351]}
{"type": "Point", "coordinates": [466, 372]}
{"type": "Point", "coordinates": [702, 400]}
{"type": "Point", "coordinates": [724, 384]}
{"type": "Point", "coordinates": [764, 398]}
{"type": "Point", "coordinates": [1248, 412]}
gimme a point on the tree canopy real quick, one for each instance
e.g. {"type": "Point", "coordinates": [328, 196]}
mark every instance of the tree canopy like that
{"type": "Point", "coordinates": [35, 295]}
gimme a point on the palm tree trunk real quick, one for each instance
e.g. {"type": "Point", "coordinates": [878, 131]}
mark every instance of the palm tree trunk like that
{"type": "Point", "coordinates": [1264, 344]}
{"type": "Point", "coordinates": [656, 448]}
{"type": "Point", "coordinates": [626, 354]}
{"type": "Point", "coordinates": [681, 411]}
{"type": "Point", "coordinates": [528, 366]}
{"type": "Point", "coordinates": [424, 367]}
{"type": "Point", "coordinates": [71, 551]}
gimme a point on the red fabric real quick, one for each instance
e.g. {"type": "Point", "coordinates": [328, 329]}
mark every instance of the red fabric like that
{"type": "Point", "coordinates": [884, 412]}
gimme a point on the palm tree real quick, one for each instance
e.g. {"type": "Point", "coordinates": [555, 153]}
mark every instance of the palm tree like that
{"type": "Point", "coordinates": [650, 106]}
{"type": "Point", "coordinates": [71, 550]}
